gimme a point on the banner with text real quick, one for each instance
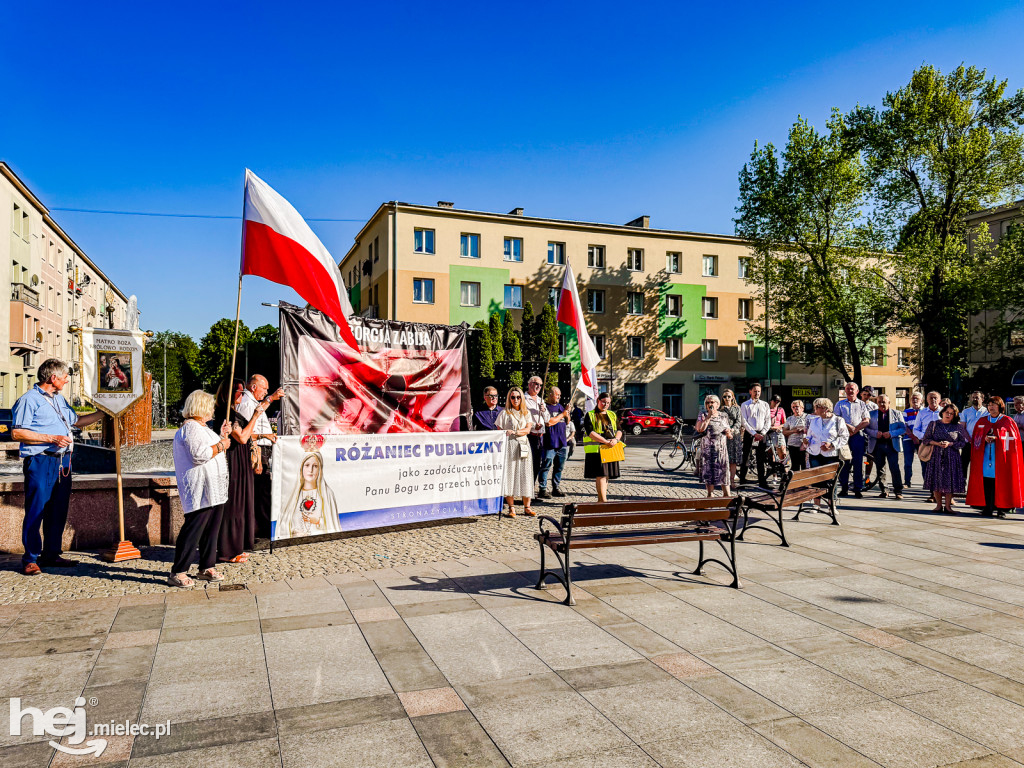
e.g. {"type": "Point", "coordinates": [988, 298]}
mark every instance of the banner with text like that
{"type": "Point", "coordinates": [112, 368]}
{"type": "Point", "coordinates": [332, 483]}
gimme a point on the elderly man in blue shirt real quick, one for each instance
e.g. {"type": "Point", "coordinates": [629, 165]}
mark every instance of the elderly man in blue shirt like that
{"type": "Point", "coordinates": [42, 424]}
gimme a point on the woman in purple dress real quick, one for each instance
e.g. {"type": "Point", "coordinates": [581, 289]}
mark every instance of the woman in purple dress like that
{"type": "Point", "coordinates": [714, 446]}
{"type": "Point", "coordinates": [944, 472]}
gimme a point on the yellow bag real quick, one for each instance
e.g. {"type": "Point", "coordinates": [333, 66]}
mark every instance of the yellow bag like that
{"type": "Point", "coordinates": [610, 453]}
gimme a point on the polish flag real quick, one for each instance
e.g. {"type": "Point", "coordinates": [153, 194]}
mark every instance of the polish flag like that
{"type": "Point", "coordinates": [570, 312]}
{"type": "Point", "coordinates": [277, 244]}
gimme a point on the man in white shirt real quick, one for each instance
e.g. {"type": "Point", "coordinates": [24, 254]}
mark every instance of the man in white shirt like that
{"type": "Point", "coordinates": [755, 417]}
{"type": "Point", "coordinates": [925, 417]}
{"type": "Point", "coordinates": [969, 416]}
{"type": "Point", "coordinates": [855, 413]}
{"type": "Point", "coordinates": [538, 421]}
{"type": "Point", "coordinates": [265, 438]}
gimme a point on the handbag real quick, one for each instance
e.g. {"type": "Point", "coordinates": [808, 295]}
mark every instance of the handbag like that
{"type": "Point", "coordinates": [255, 457]}
{"type": "Point", "coordinates": [610, 453]}
{"type": "Point", "coordinates": [924, 452]}
{"type": "Point", "coordinates": [844, 453]}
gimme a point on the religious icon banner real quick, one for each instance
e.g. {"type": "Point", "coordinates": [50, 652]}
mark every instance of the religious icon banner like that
{"type": "Point", "coordinates": [112, 368]}
{"type": "Point", "coordinates": [404, 377]}
{"type": "Point", "coordinates": [335, 483]}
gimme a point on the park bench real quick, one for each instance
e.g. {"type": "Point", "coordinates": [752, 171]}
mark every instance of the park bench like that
{"type": "Point", "coordinates": [796, 489]}
{"type": "Point", "coordinates": [654, 521]}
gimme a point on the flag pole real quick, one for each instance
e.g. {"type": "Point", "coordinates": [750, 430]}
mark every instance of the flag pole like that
{"type": "Point", "coordinates": [238, 310]}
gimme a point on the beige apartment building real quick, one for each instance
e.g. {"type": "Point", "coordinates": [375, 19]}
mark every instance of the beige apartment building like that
{"type": "Point", "coordinates": [52, 285]}
{"type": "Point", "coordinates": [667, 310]}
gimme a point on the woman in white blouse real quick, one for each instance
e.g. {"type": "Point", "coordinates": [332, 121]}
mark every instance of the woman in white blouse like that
{"type": "Point", "coordinates": [202, 473]}
{"type": "Point", "coordinates": [518, 479]}
{"type": "Point", "coordinates": [827, 436]}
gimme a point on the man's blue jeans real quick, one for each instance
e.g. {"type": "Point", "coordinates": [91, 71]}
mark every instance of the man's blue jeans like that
{"type": "Point", "coordinates": [857, 445]}
{"type": "Point", "coordinates": [557, 457]}
{"type": "Point", "coordinates": [909, 452]}
{"type": "Point", "coordinates": [47, 494]}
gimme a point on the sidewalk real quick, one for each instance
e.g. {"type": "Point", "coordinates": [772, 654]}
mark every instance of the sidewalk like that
{"type": "Point", "coordinates": [894, 640]}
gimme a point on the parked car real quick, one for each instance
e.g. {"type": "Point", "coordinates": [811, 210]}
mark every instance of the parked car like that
{"type": "Point", "coordinates": [639, 420]}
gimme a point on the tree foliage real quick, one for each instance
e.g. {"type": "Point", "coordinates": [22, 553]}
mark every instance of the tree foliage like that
{"type": "Point", "coordinates": [528, 333]}
{"type": "Point", "coordinates": [815, 272]}
{"type": "Point", "coordinates": [215, 351]}
{"type": "Point", "coordinates": [182, 354]}
{"type": "Point", "coordinates": [497, 337]}
{"type": "Point", "coordinates": [938, 149]}
{"type": "Point", "coordinates": [513, 350]}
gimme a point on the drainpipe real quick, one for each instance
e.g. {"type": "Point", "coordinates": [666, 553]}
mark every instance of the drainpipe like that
{"type": "Point", "coordinates": [394, 263]}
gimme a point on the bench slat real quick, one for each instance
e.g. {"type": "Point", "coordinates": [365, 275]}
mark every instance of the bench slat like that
{"type": "Point", "coordinates": [805, 477]}
{"type": "Point", "coordinates": [649, 505]}
{"type": "Point", "coordinates": [638, 537]}
{"type": "Point", "coordinates": [645, 518]}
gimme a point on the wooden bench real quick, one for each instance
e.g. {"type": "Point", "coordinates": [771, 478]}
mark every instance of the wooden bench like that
{"type": "Point", "coordinates": [621, 524]}
{"type": "Point", "coordinates": [796, 489]}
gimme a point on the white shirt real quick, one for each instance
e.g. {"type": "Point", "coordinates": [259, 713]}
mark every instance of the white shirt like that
{"type": "Point", "coordinates": [924, 417]}
{"type": "Point", "coordinates": [538, 413]}
{"type": "Point", "coordinates": [754, 414]}
{"type": "Point", "coordinates": [832, 430]}
{"type": "Point", "coordinates": [246, 409]}
{"type": "Point", "coordinates": [202, 477]}
{"type": "Point", "coordinates": [854, 413]}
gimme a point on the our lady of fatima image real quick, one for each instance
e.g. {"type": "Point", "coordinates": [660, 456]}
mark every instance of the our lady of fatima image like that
{"type": "Point", "coordinates": [311, 509]}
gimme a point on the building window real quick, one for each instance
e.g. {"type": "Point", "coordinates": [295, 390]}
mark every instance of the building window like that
{"type": "Point", "coordinates": [469, 246]}
{"type": "Point", "coordinates": [672, 348]}
{"type": "Point", "coordinates": [745, 351]}
{"type": "Point", "coordinates": [785, 352]}
{"type": "Point", "coordinates": [634, 303]}
{"type": "Point", "coordinates": [376, 249]}
{"type": "Point", "coordinates": [556, 253]}
{"type": "Point", "coordinates": [903, 357]}
{"type": "Point", "coordinates": [595, 256]}
{"type": "Point", "coordinates": [513, 297]}
{"type": "Point", "coordinates": [469, 294]}
{"type": "Point", "coordinates": [635, 260]}
{"type": "Point", "coordinates": [423, 240]}
{"type": "Point", "coordinates": [636, 395]}
{"type": "Point", "coordinates": [744, 267]}
{"type": "Point", "coordinates": [513, 249]}
{"type": "Point", "coordinates": [672, 399]}
{"type": "Point", "coordinates": [673, 262]}
{"type": "Point", "coordinates": [710, 266]}
{"type": "Point", "coordinates": [595, 301]}
{"type": "Point", "coordinates": [709, 307]}
{"type": "Point", "coordinates": [423, 290]}
{"type": "Point", "coordinates": [902, 398]}
{"type": "Point", "coordinates": [562, 348]}
{"type": "Point", "coordinates": [673, 305]}
{"type": "Point", "coordinates": [709, 350]}
{"type": "Point", "coordinates": [553, 296]}
{"type": "Point", "coordinates": [636, 347]}
{"type": "Point", "coordinates": [806, 352]}
{"type": "Point", "coordinates": [877, 356]}
{"type": "Point", "coordinates": [746, 309]}
{"type": "Point", "coordinates": [598, 340]}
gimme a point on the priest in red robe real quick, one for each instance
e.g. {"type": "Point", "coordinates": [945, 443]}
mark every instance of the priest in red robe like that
{"type": "Point", "coordinates": [997, 471]}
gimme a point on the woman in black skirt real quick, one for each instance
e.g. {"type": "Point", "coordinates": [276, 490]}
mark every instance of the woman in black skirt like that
{"type": "Point", "coordinates": [600, 428]}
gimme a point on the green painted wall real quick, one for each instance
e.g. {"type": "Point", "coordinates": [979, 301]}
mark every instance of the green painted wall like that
{"type": "Point", "coordinates": [572, 346]}
{"type": "Point", "coordinates": [756, 368]}
{"type": "Point", "coordinates": [492, 292]}
{"type": "Point", "coordinates": [354, 297]}
{"type": "Point", "coordinates": [689, 326]}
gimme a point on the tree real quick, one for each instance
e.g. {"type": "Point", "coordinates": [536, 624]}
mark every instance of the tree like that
{"type": "Point", "coordinates": [263, 350]}
{"type": "Point", "coordinates": [497, 337]}
{"type": "Point", "coordinates": [215, 350]}
{"type": "Point", "coordinates": [527, 332]}
{"type": "Point", "coordinates": [481, 355]}
{"type": "Point", "coordinates": [546, 332]}
{"type": "Point", "coordinates": [512, 348]}
{"type": "Point", "coordinates": [940, 148]}
{"type": "Point", "coordinates": [181, 378]}
{"type": "Point", "coordinates": [815, 272]}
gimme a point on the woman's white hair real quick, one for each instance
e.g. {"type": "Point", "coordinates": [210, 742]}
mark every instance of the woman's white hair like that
{"type": "Point", "coordinates": [824, 402]}
{"type": "Point", "coordinates": [712, 398]}
{"type": "Point", "coordinates": [199, 403]}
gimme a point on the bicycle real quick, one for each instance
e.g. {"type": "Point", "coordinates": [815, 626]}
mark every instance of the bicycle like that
{"type": "Point", "coordinates": [678, 451]}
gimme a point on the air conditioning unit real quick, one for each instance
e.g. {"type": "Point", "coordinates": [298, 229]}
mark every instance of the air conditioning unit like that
{"type": "Point", "coordinates": [838, 382]}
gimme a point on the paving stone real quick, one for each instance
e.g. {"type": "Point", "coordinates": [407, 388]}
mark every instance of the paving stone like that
{"type": "Point", "coordinates": [23, 648]}
{"type": "Point", "coordinates": [626, 757]}
{"type": "Point", "coordinates": [306, 621]}
{"type": "Point", "coordinates": [201, 734]}
{"type": "Point", "coordinates": [54, 672]}
{"type": "Point", "coordinates": [978, 715]}
{"type": "Point", "coordinates": [119, 665]}
{"type": "Point", "coordinates": [611, 675]}
{"type": "Point", "coordinates": [263, 753]}
{"type": "Point", "coordinates": [130, 639]}
{"type": "Point", "coordinates": [216, 630]}
{"type": "Point", "coordinates": [406, 665]}
{"type": "Point", "coordinates": [433, 701]}
{"type": "Point", "coordinates": [134, 618]}
{"type": "Point", "coordinates": [339, 714]}
{"type": "Point", "coordinates": [739, 747]}
{"type": "Point", "coordinates": [456, 740]}
{"type": "Point", "coordinates": [357, 746]}
{"type": "Point", "coordinates": [811, 746]}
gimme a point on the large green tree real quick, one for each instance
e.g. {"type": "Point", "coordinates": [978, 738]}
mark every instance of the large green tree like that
{"type": "Point", "coordinates": [814, 273]}
{"type": "Point", "coordinates": [942, 147]}
{"type": "Point", "coordinates": [527, 325]}
{"type": "Point", "coordinates": [182, 354]}
{"type": "Point", "coordinates": [215, 351]}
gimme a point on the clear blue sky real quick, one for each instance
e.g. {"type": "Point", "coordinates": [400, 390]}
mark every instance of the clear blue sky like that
{"type": "Point", "coordinates": [593, 111]}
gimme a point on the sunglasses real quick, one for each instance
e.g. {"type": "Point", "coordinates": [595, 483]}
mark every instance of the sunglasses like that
{"type": "Point", "coordinates": [515, 397]}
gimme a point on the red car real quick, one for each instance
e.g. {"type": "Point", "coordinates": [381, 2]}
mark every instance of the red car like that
{"type": "Point", "coordinates": [639, 420]}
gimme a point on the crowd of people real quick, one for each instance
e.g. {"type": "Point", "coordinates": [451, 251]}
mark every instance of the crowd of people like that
{"type": "Point", "coordinates": [974, 454]}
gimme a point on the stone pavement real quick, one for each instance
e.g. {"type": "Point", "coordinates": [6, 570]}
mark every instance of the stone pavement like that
{"type": "Point", "coordinates": [896, 639]}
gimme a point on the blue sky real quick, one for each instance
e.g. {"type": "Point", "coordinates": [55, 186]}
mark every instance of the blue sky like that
{"type": "Point", "coordinates": [593, 111]}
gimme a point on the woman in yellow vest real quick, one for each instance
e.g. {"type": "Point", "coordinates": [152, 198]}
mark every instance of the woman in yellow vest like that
{"type": "Point", "coordinates": [600, 428]}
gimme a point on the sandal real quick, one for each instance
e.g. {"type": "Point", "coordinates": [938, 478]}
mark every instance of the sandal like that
{"type": "Point", "coordinates": [179, 580]}
{"type": "Point", "coordinates": [939, 508]}
{"type": "Point", "coordinates": [211, 574]}
{"type": "Point", "coordinates": [242, 558]}
{"type": "Point", "coordinates": [529, 511]}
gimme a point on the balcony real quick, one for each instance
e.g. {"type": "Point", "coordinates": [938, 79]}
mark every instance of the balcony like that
{"type": "Point", "coordinates": [21, 292]}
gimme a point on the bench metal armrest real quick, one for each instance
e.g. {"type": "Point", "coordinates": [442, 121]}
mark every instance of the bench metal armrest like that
{"type": "Point", "coordinates": [769, 491]}
{"type": "Point", "coordinates": [558, 527]}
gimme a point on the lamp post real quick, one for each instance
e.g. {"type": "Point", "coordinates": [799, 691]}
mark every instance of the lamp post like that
{"type": "Point", "coordinates": [171, 345]}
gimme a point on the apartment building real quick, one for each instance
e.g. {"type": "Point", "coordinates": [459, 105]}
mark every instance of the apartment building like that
{"type": "Point", "coordinates": [667, 310]}
{"type": "Point", "coordinates": [53, 285]}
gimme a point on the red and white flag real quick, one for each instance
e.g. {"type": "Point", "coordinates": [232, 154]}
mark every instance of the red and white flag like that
{"type": "Point", "coordinates": [278, 244]}
{"type": "Point", "coordinates": [570, 312]}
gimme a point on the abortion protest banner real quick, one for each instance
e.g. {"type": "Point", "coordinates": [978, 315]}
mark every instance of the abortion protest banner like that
{"type": "Point", "coordinates": [328, 484]}
{"type": "Point", "coordinates": [405, 377]}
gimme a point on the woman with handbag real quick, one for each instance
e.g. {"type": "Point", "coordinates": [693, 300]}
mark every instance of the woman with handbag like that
{"type": "Point", "coordinates": [943, 470]}
{"type": "Point", "coordinates": [714, 447]}
{"type": "Point", "coordinates": [827, 439]}
{"type": "Point", "coordinates": [518, 478]}
{"type": "Point", "coordinates": [601, 433]}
